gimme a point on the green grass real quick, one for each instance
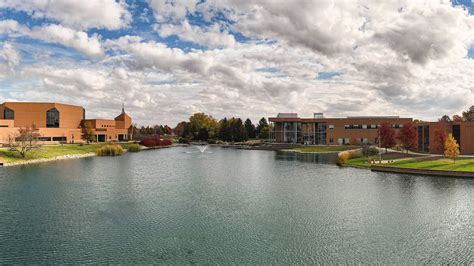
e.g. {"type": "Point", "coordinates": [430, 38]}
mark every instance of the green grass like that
{"type": "Point", "coordinates": [363, 161]}
{"type": "Point", "coordinates": [316, 149]}
{"type": "Point", "coordinates": [466, 164]}
{"type": "Point", "coordinates": [51, 151]}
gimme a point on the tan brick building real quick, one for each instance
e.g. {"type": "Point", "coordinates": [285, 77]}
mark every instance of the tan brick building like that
{"type": "Point", "coordinates": [58, 122]}
{"type": "Point", "coordinates": [319, 130]}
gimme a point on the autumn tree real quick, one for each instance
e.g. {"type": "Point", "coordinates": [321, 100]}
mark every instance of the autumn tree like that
{"type": "Point", "coordinates": [87, 132]}
{"type": "Point", "coordinates": [387, 136]}
{"type": "Point", "coordinates": [441, 133]}
{"type": "Point", "coordinates": [408, 136]}
{"type": "Point", "coordinates": [468, 115]}
{"type": "Point", "coordinates": [24, 141]}
{"type": "Point", "coordinates": [199, 122]}
{"type": "Point", "coordinates": [451, 148]}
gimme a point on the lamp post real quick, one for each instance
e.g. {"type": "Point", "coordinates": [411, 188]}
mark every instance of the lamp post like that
{"type": "Point", "coordinates": [380, 143]}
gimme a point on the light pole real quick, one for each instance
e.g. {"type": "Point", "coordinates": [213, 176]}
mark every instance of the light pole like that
{"type": "Point", "coordinates": [380, 142]}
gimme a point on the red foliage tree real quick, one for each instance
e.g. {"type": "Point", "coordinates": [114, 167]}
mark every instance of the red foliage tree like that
{"type": "Point", "coordinates": [408, 136]}
{"type": "Point", "coordinates": [387, 136]}
{"type": "Point", "coordinates": [440, 135]}
{"type": "Point", "coordinates": [156, 141]}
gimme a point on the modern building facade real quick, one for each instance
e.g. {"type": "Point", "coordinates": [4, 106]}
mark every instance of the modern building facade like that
{"type": "Point", "coordinates": [462, 131]}
{"type": "Point", "coordinates": [58, 123]}
{"type": "Point", "coordinates": [319, 130]}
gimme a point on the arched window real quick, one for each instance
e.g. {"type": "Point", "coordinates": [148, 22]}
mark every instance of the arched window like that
{"type": "Point", "coordinates": [52, 118]}
{"type": "Point", "coordinates": [8, 114]}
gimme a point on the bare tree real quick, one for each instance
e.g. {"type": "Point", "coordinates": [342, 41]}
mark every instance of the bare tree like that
{"type": "Point", "coordinates": [24, 141]}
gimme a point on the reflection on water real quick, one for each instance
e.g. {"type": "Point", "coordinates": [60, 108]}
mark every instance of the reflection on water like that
{"type": "Point", "coordinates": [230, 206]}
{"type": "Point", "coordinates": [325, 158]}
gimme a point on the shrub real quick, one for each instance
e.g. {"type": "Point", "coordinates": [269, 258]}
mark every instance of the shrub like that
{"type": "Point", "coordinates": [368, 151]}
{"type": "Point", "coordinates": [110, 150]}
{"type": "Point", "coordinates": [212, 141]}
{"type": "Point", "coordinates": [183, 140]}
{"type": "Point", "coordinates": [156, 141]}
{"type": "Point", "coordinates": [345, 156]}
{"type": "Point", "coordinates": [134, 147]}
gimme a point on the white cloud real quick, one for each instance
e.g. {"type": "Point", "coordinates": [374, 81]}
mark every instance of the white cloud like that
{"type": "Point", "coordinates": [211, 37]}
{"type": "Point", "coordinates": [108, 14]}
{"type": "Point", "coordinates": [78, 40]}
{"type": "Point", "coordinates": [403, 58]}
{"type": "Point", "coordinates": [165, 10]}
{"type": "Point", "coordinates": [10, 54]}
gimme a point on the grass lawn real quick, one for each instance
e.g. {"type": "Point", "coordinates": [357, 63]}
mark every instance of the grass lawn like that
{"type": "Point", "coordinates": [51, 151]}
{"type": "Point", "coordinates": [466, 164]}
{"type": "Point", "coordinates": [316, 149]}
{"type": "Point", "coordinates": [363, 161]}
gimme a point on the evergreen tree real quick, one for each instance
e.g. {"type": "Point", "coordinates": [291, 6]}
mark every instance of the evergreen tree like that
{"type": "Point", "coordinates": [261, 125]}
{"type": "Point", "coordinates": [249, 129]}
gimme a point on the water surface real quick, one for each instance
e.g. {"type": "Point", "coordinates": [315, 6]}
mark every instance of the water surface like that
{"type": "Point", "coordinates": [182, 206]}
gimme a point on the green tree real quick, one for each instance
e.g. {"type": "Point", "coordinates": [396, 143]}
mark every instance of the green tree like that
{"type": "Point", "coordinates": [237, 130]}
{"type": "Point", "coordinates": [224, 130]}
{"type": "Point", "coordinates": [261, 125]}
{"type": "Point", "coordinates": [249, 128]}
{"type": "Point", "coordinates": [468, 115]}
{"type": "Point", "coordinates": [265, 132]}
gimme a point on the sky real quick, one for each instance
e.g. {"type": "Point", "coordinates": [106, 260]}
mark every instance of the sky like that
{"type": "Point", "coordinates": [167, 59]}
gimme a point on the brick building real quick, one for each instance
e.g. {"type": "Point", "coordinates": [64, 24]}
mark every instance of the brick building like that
{"type": "Point", "coordinates": [59, 122]}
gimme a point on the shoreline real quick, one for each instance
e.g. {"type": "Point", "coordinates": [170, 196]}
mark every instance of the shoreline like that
{"type": "Point", "coordinates": [45, 160]}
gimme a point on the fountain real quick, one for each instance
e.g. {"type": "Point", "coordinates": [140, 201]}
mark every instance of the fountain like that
{"type": "Point", "coordinates": [202, 148]}
{"type": "Point", "coordinates": [201, 145]}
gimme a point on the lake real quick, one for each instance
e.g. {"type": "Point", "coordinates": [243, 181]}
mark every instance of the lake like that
{"type": "Point", "coordinates": [225, 206]}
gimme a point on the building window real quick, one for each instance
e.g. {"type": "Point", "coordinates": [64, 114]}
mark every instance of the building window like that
{"type": "Point", "coordinates": [331, 140]}
{"type": "Point", "coordinates": [52, 118]}
{"type": "Point", "coordinates": [364, 126]}
{"type": "Point", "coordinates": [331, 126]}
{"type": "Point", "coordinates": [44, 138]}
{"type": "Point", "coordinates": [8, 114]}
{"type": "Point", "coordinates": [59, 138]}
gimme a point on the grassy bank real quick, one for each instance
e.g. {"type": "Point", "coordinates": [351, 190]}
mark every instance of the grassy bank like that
{"type": "Point", "coordinates": [434, 163]}
{"type": "Point", "coordinates": [51, 151]}
{"type": "Point", "coordinates": [465, 164]}
{"type": "Point", "coordinates": [364, 161]}
{"type": "Point", "coordinates": [320, 149]}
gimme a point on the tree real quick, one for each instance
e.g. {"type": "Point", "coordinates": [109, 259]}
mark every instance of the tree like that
{"type": "Point", "coordinates": [237, 130]}
{"type": "Point", "coordinates": [445, 118]}
{"type": "Point", "coordinates": [408, 136]}
{"type": "Point", "coordinates": [179, 129]}
{"type": "Point", "coordinates": [261, 125]}
{"type": "Point", "coordinates": [387, 136]}
{"type": "Point", "coordinates": [24, 141]}
{"type": "Point", "coordinates": [265, 132]}
{"type": "Point", "coordinates": [451, 148]}
{"type": "Point", "coordinates": [440, 135]}
{"type": "Point", "coordinates": [468, 115]}
{"type": "Point", "coordinates": [224, 130]}
{"type": "Point", "coordinates": [457, 118]}
{"type": "Point", "coordinates": [249, 129]}
{"type": "Point", "coordinates": [87, 132]}
{"type": "Point", "coordinates": [201, 120]}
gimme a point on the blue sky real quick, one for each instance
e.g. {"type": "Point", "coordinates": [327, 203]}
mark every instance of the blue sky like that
{"type": "Point", "coordinates": [229, 58]}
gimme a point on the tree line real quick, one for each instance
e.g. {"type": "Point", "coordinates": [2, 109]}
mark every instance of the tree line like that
{"type": "Point", "coordinates": [204, 127]}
